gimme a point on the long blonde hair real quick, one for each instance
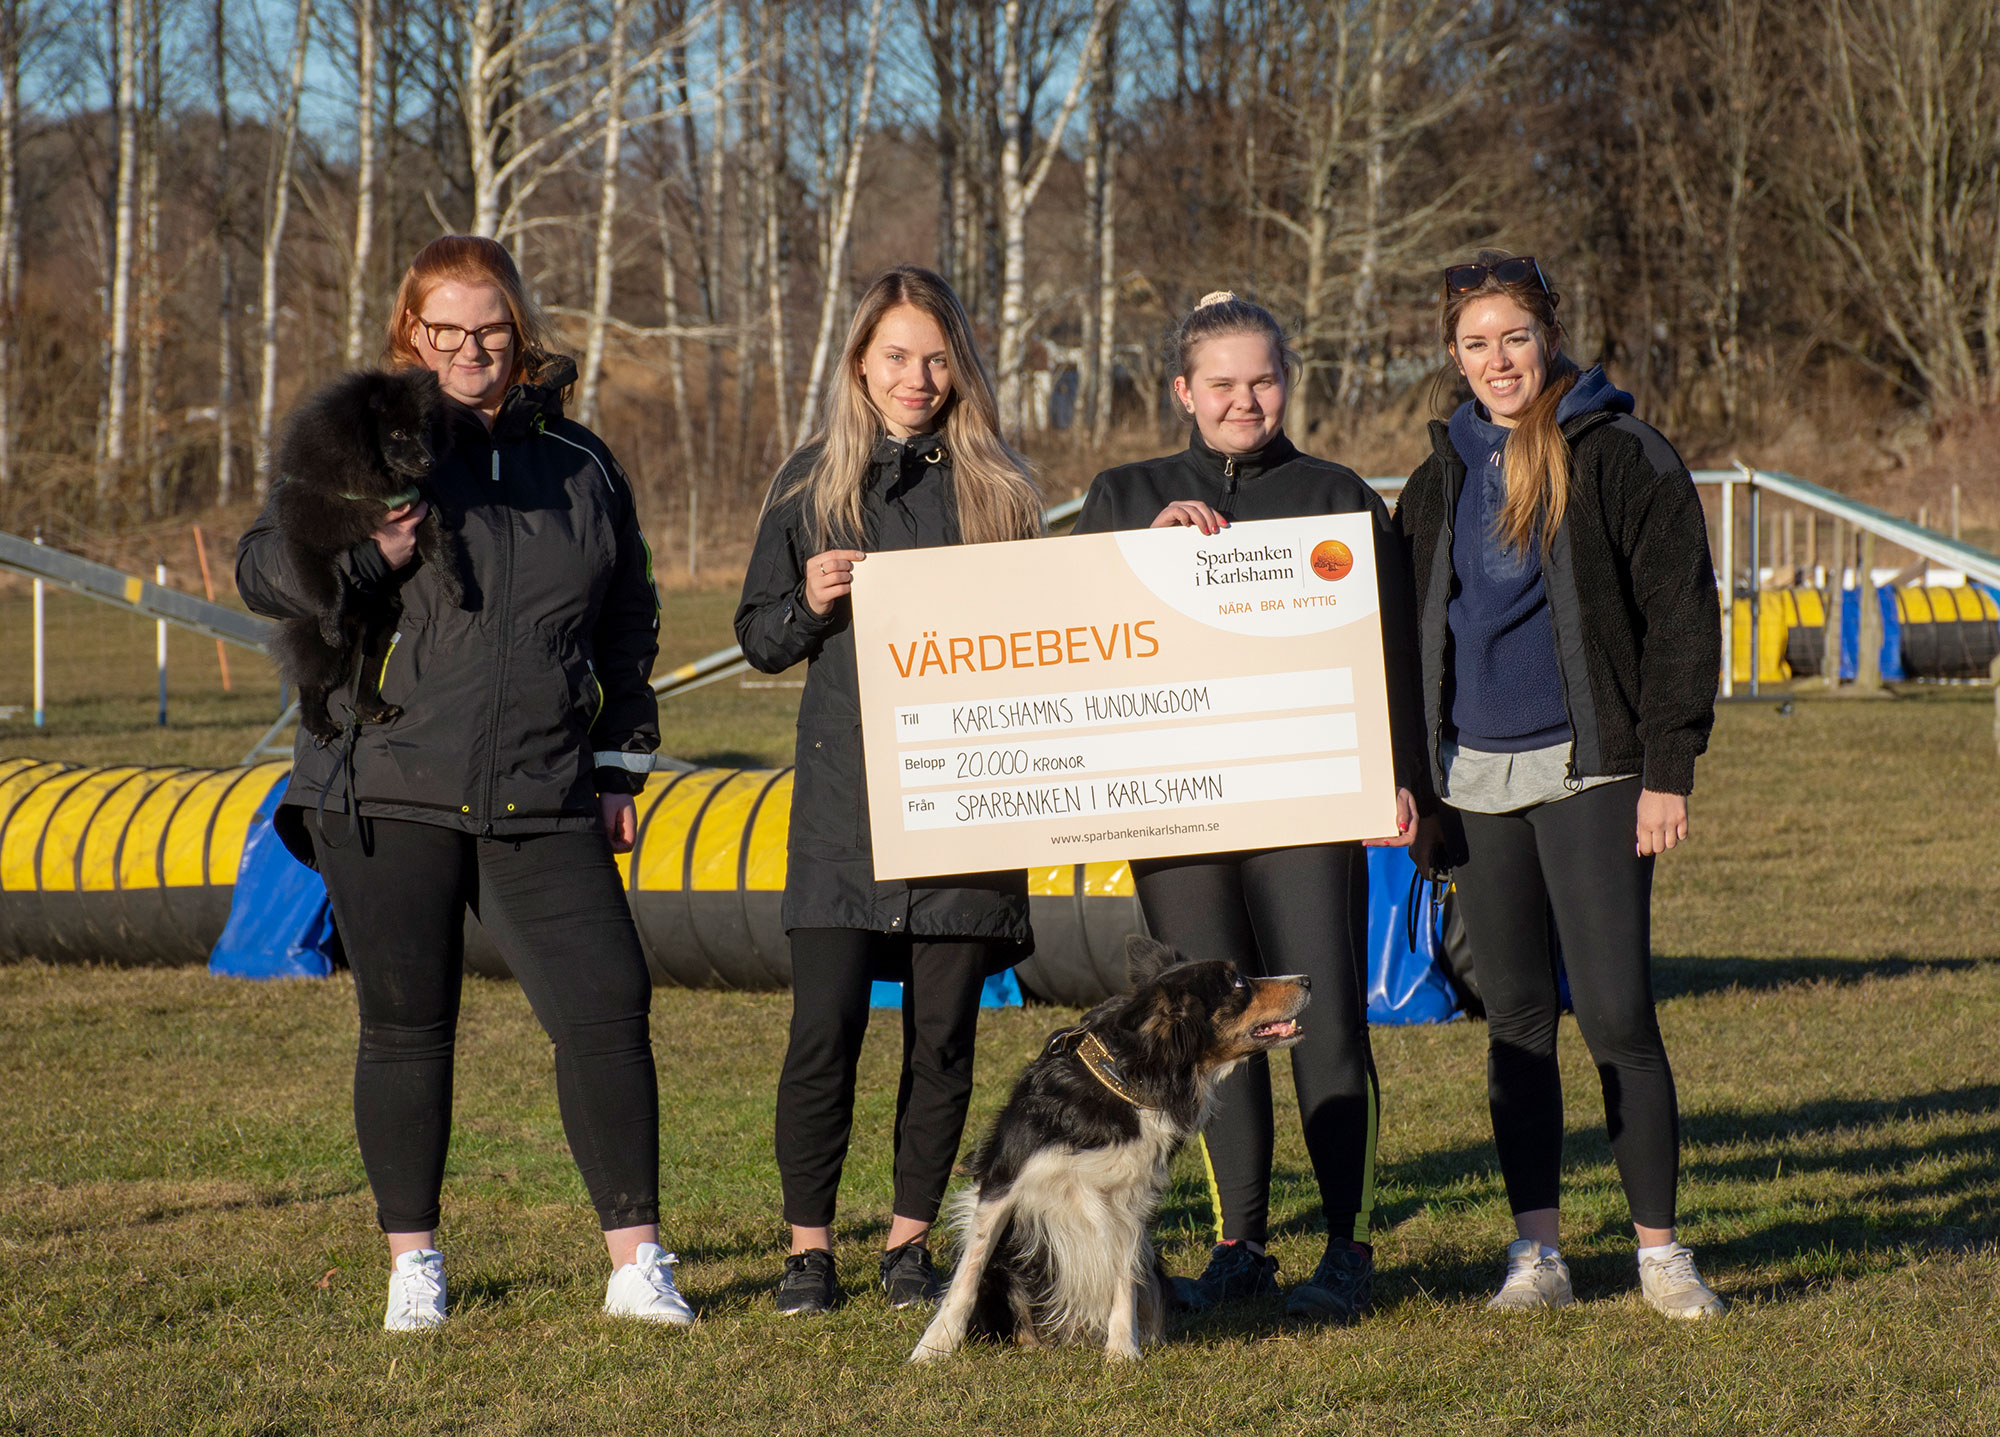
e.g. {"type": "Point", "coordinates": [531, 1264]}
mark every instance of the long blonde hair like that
{"type": "Point", "coordinates": [1537, 462]}
{"type": "Point", "coordinates": [996, 497]}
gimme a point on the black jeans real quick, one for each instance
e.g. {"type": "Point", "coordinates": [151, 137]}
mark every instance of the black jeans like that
{"type": "Point", "coordinates": [831, 977]}
{"type": "Point", "coordinates": [1575, 856]}
{"type": "Point", "coordinates": [1276, 911]}
{"type": "Point", "coordinates": [554, 905]}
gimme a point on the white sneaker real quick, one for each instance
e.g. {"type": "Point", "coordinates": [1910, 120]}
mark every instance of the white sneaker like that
{"type": "Point", "coordinates": [416, 1292]}
{"type": "Point", "coordinates": [644, 1288]}
{"type": "Point", "coordinates": [1671, 1286]}
{"type": "Point", "coordinates": [1534, 1282]}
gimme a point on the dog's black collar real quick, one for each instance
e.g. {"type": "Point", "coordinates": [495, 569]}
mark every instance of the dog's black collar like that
{"type": "Point", "coordinates": [1089, 1050]}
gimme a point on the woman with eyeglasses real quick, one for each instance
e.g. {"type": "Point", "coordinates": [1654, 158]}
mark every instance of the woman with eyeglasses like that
{"type": "Point", "coordinates": [1571, 642]}
{"type": "Point", "coordinates": [504, 785]}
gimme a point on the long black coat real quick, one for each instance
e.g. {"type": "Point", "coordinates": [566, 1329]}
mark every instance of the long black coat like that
{"type": "Point", "coordinates": [1631, 591]}
{"type": "Point", "coordinates": [525, 704]}
{"type": "Point", "coordinates": [830, 882]}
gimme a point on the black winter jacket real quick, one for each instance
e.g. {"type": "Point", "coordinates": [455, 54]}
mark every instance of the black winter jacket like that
{"type": "Point", "coordinates": [1280, 481]}
{"type": "Point", "coordinates": [1631, 593]}
{"type": "Point", "coordinates": [520, 708]}
{"type": "Point", "coordinates": [830, 881]}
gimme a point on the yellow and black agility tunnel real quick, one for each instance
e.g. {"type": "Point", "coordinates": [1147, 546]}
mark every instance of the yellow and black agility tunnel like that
{"type": "Point", "coordinates": [1928, 632]}
{"type": "Point", "coordinates": [131, 864]}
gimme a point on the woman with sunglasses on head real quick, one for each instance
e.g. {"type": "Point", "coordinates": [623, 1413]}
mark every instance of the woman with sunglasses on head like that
{"type": "Point", "coordinates": [506, 782]}
{"type": "Point", "coordinates": [1571, 643]}
{"type": "Point", "coordinates": [1280, 910]}
{"type": "Point", "coordinates": [910, 457]}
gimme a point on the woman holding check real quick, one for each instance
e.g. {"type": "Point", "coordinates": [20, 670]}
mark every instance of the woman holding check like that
{"type": "Point", "coordinates": [1571, 642]}
{"type": "Point", "coordinates": [1281, 910]}
{"type": "Point", "coordinates": [910, 458]}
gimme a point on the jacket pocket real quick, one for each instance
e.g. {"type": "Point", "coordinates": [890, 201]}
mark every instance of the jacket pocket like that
{"type": "Point", "coordinates": [829, 795]}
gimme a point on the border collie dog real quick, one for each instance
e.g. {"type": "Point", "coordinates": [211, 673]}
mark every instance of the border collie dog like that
{"type": "Point", "coordinates": [1053, 1248]}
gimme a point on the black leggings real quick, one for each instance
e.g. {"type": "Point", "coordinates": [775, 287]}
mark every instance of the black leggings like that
{"type": "Point", "coordinates": [1275, 911]}
{"type": "Point", "coordinates": [832, 971]}
{"type": "Point", "coordinates": [554, 905]}
{"type": "Point", "coordinates": [1577, 857]}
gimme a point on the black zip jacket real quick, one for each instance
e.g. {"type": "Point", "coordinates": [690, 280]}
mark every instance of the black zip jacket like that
{"type": "Point", "coordinates": [1632, 599]}
{"type": "Point", "coordinates": [522, 707]}
{"type": "Point", "coordinates": [1280, 481]}
{"type": "Point", "coordinates": [830, 882]}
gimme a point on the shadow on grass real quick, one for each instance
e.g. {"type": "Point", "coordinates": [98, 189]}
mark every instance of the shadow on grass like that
{"type": "Point", "coordinates": [1701, 977]}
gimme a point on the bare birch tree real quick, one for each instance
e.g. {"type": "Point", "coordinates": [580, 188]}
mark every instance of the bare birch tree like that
{"type": "Point", "coordinates": [364, 179]}
{"type": "Point", "coordinates": [770, 171]}
{"type": "Point", "coordinates": [12, 42]}
{"type": "Point", "coordinates": [118, 355]}
{"type": "Point", "coordinates": [833, 263]}
{"type": "Point", "coordinates": [1100, 189]}
{"type": "Point", "coordinates": [277, 209]}
{"type": "Point", "coordinates": [1022, 173]}
{"type": "Point", "coordinates": [225, 269]}
{"type": "Point", "coordinates": [1909, 210]}
{"type": "Point", "coordinates": [613, 104]}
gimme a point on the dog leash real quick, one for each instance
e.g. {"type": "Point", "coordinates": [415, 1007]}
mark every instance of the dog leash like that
{"type": "Point", "coordinates": [1097, 1061]}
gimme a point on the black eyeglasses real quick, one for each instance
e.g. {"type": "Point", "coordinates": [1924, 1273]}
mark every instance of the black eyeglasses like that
{"type": "Point", "coordinates": [450, 338]}
{"type": "Point", "coordinates": [1465, 278]}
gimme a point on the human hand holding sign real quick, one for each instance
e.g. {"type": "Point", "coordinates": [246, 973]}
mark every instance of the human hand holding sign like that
{"type": "Point", "coordinates": [830, 576]}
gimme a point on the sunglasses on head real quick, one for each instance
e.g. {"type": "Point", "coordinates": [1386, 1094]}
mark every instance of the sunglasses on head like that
{"type": "Point", "coordinates": [1465, 278]}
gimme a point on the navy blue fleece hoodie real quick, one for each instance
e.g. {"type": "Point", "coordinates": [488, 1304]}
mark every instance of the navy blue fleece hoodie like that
{"type": "Point", "coordinates": [1506, 690]}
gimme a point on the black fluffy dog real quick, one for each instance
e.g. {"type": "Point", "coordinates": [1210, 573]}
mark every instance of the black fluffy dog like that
{"type": "Point", "coordinates": [1054, 1248]}
{"type": "Point", "coordinates": [352, 452]}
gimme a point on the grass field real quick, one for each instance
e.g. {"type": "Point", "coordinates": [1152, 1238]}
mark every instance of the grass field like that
{"type": "Point", "coordinates": [186, 1240]}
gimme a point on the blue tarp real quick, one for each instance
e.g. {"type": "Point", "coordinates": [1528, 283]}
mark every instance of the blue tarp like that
{"type": "Point", "coordinates": [1850, 633]}
{"type": "Point", "coordinates": [279, 922]}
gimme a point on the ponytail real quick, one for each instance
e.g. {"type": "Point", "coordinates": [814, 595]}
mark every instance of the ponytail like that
{"type": "Point", "coordinates": [1537, 464]}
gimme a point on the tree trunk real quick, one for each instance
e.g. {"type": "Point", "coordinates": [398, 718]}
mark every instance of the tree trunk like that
{"type": "Point", "coordinates": [364, 178]}
{"type": "Point", "coordinates": [770, 164]}
{"type": "Point", "coordinates": [607, 214]}
{"type": "Point", "coordinates": [111, 440]}
{"type": "Point", "coordinates": [676, 351]}
{"type": "Point", "coordinates": [478, 97]}
{"type": "Point", "coordinates": [277, 210]}
{"type": "Point", "coordinates": [10, 224]}
{"type": "Point", "coordinates": [834, 272]}
{"type": "Point", "coordinates": [1020, 181]}
{"type": "Point", "coordinates": [147, 272]}
{"type": "Point", "coordinates": [225, 240]}
{"type": "Point", "coordinates": [1368, 262]}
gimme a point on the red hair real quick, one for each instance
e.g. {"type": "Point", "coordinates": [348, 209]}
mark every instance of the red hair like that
{"type": "Point", "coordinates": [467, 259]}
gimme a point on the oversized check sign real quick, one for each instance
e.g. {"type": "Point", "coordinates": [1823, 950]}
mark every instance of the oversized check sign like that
{"type": "Point", "coordinates": [1116, 696]}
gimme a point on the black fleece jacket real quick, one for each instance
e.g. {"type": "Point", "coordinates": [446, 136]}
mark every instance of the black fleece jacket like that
{"type": "Point", "coordinates": [520, 708]}
{"type": "Point", "coordinates": [1280, 481]}
{"type": "Point", "coordinates": [1631, 594]}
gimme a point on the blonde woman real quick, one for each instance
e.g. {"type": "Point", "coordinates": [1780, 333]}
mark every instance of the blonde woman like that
{"type": "Point", "coordinates": [910, 457]}
{"type": "Point", "coordinates": [1570, 640]}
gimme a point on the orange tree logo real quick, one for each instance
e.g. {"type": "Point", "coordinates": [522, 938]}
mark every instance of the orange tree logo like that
{"type": "Point", "coordinates": [1332, 560]}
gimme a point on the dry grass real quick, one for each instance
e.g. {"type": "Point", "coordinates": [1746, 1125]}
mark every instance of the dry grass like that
{"type": "Point", "coordinates": [186, 1241]}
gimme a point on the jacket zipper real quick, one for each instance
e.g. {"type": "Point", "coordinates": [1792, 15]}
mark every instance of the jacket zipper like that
{"type": "Point", "coordinates": [383, 677]}
{"type": "Point", "coordinates": [1229, 488]}
{"type": "Point", "coordinates": [1437, 729]}
{"type": "Point", "coordinates": [500, 627]}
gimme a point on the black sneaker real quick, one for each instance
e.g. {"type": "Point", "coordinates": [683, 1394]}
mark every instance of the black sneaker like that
{"type": "Point", "coordinates": [909, 1278]}
{"type": "Point", "coordinates": [1234, 1272]}
{"type": "Point", "coordinates": [807, 1286]}
{"type": "Point", "coordinates": [1340, 1288]}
